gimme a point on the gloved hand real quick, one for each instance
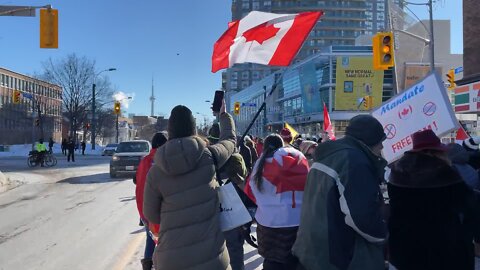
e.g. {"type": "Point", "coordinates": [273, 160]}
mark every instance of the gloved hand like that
{"type": "Point", "coordinates": [246, 232]}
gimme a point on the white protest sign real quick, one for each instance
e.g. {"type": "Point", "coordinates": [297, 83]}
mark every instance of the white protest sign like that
{"type": "Point", "coordinates": [423, 106]}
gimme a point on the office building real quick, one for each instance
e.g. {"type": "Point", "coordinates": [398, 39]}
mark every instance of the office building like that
{"type": "Point", "coordinates": [338, 77]}
{"type": "Point", "coordinates": [341, 24]}
{"type": "Point", "coordinates": [18, 124]}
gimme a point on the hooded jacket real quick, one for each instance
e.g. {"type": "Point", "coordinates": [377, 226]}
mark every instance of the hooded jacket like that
{"type": "Point", "coordinates": [341, 224]}
{"type": "Point", "coordinates": [181, 196]}
{"type": "Point", "coordinates": [434, 215]}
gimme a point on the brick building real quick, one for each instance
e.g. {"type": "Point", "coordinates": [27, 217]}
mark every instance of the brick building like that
{"type": "Point", "coordinates": [17, 123]}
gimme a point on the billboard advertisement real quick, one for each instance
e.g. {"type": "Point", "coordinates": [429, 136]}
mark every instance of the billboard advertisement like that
{"type": "Point", "coordinates": [356, 78]}
{"type": "Point", "coordinates": [415, 73]}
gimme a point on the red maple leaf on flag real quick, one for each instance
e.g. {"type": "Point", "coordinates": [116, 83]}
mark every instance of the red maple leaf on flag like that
{"type": "Point", "coordinates": [289, 176]}
{"type": "Point", "coordinates": [261, 33]}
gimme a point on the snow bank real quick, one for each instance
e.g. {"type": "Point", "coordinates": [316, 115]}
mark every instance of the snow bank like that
{"type": "Point", "coordinates": [22, 150]}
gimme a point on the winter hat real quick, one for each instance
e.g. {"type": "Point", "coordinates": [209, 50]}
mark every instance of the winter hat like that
{"type": "Point", "coordinates": [471, 144]}
{"type": "Point", "coordinates": [367, 129]}
{"type": "Point", "coordinates": [214, 134]}
{"type": "Point", "coordinates": [181, 123]}
{"type": "Point", "coordinates": [286, 135]}
{"type": "Point", "coordinates": [306, 145]}
{"type": "Point", "coordinates": [427, 140]}
{"type": "Point", "coordinates": [159, 139]}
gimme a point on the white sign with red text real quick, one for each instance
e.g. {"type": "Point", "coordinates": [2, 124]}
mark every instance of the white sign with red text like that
{"type": "Point", "coordinates": [425, 105]}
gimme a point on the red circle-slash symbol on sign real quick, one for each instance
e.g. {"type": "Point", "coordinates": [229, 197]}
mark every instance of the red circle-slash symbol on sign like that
{"type": "Point", "coordinates": [429, 109]}
{"type": "Point", "coordinates": [390, 130]}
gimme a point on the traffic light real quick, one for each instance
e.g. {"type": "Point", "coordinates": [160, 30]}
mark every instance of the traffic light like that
{"type": "Point", "coordinates": [236, 108]}
{"type": "Point", "coordinates": [382, 46]}
{"type": "Point", "coordinates": [49, 28]}
{"type": "Point", "coordinates": [17, 95]}
{"type": "Point", "coordinates": [368, 102]}
{"type": "Point", "coordinates": [116, 107]}
{"type": "Point", "coordinates": [37, 122]}
{"type": "Point", "coordinates": [451, 79]}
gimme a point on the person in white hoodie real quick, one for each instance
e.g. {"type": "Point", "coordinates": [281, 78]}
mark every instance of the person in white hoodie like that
{"type": "Point", "coordinates": [276, 185]}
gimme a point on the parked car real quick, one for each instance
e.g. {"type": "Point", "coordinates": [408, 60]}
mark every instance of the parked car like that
{"type": "Point", "coordinates": [109, 150]}
{"type": "Point", "coordinates": [128, 156]}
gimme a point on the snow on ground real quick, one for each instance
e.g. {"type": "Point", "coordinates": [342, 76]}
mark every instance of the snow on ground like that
{"type": "Point", "coordinates": [22, 150]}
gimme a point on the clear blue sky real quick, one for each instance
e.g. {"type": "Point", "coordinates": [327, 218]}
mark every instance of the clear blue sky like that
{"type": "Point", "coordinates": [141, 38]}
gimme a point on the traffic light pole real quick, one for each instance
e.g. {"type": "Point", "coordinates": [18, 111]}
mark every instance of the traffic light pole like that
{"type": "Point", "coordinates": [264, 104]}
{"type": "Point", "coordinates": [94, 126]}
{"type": "Point", "coordinates": [116, 127]}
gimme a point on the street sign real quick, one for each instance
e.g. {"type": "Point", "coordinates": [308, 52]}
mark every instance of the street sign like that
{"type": "Point", "coordinates": [458, 70]}
{"type": "Point", "coordinates": [27, 95]}
{"type": "Point", "coordinates": [249, 104]}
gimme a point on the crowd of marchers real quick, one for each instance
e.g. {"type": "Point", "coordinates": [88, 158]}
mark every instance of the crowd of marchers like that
{"type": "Point", "coordinates": [319, 205]}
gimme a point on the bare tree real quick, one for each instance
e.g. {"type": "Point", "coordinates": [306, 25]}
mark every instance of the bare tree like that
{"type": "Point", "coordinates": [75, 75]}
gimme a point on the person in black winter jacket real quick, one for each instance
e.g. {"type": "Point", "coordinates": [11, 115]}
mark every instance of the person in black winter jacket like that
{"type": "Point", "coordinates": [245, 153]}
{"type": "Point", "coordinates": [434, 216]}
{"type": "Point", "coordinates": [460, 157]}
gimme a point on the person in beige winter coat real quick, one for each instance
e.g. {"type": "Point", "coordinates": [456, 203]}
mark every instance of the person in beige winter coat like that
{"type": "Point", "coordinates": [181, 195]}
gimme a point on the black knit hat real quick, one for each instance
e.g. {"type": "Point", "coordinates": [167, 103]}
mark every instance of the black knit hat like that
{"type": "Point", "coordinates": [181, 123]}
{"type": "Point", "coordinates": [367, 129]}
{"type": "Point", "coordinates": [159, 139]}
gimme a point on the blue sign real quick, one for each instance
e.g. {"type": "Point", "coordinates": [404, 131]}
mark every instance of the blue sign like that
{"type": "Point", "coordinates": [249, 104]}
{"type": "Point", "coordinates": [27, 95]}
{"type": "Point", "coordinates": [458, 70]}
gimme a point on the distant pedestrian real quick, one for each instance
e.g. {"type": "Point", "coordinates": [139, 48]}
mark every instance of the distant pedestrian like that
{"type": "Point", "coordinates": [84, 145]}
{"type": "Point", "coordinates": [181, 195]}
{"type": "Point", "coordinates": [64, 146]}
{"type": "Point", "coordinates": [77, 146]}
{"type": "Point", "coordinates": [71, 150]}
{"type": "Point", "coordinates": [341, 225]}
{"type": "Point", "coordinates": [50, 145]}
{"type": "Point", "coordinates": [158, 140]}
{"type": "Point", "coordinates": [251, 146]}
{"type": "Point", "coordinates": [259, 146]}
{"type": "Point", "coordinates": [287, 137]}
{"type": "Point", "coordinates": [276, 184]}
{"type": "Point", "coordinates": [434, 216]}
{"type": "Point", "coordinates": [245, 152]}
{"type": "Point", "coordinates": [308, 148]}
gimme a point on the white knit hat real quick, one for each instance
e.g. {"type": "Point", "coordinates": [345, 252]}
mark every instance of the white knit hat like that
{"type": "Point", "coordinates": [472, 143]}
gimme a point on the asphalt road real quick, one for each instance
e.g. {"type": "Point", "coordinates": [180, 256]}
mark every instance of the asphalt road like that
{"type": "Point", "coordinates": [73, 216]}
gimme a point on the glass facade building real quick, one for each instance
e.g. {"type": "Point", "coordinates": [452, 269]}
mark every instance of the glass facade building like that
{"type": "Point", "coordinates": [341, 24]}
{"type": "Point", "coordinates": [301, 93]}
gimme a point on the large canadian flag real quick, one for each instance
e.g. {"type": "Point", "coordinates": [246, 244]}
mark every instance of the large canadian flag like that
{"type": "Point", "coordinates": [263, 38]}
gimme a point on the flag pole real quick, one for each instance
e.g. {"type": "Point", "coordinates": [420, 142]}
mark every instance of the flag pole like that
{"type": "Point", "coordinates": [264, 104]}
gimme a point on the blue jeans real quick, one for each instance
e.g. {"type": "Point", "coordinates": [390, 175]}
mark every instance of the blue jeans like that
{"type": "Point", "coordinates": [149, 245]}
{"type": "Point", "coordinates": [234, 239]}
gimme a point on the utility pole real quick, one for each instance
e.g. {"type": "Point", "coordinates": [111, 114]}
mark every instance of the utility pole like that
{"type": "Point", "coordinates": [432, 43]}
{"type": "Point", "coordinates": [264, 127]}
{"type": "Point", "coordinates": [94, 124]}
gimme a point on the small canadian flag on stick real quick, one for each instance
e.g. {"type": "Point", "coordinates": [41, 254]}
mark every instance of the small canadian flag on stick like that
{"type": "Point", "coordinates": [327, 125]}
{"type": "Point", "coordinates": [263, 38]}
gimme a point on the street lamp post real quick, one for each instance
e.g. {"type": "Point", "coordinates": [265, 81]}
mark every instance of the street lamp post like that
{"type": "Point", "coordinates": [93, 105]}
